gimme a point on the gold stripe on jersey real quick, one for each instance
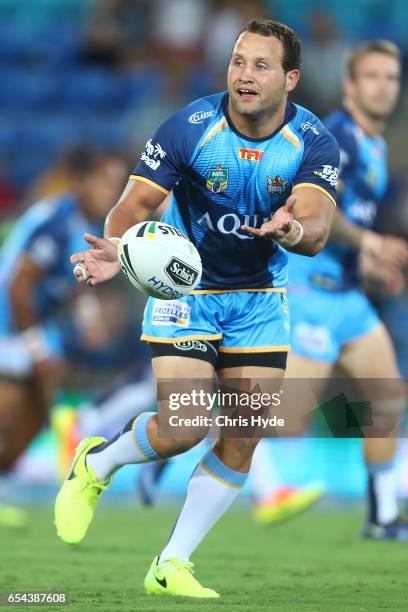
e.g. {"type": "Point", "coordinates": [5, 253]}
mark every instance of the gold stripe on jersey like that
{"type": "Point", "coordinates": [222, 124]}
{"type": "Point", "coordinates": [289, 135]}
{"type": "Point", "coordinates": [255, 349]}
{"type": "Point", "coordinates": [316, 187]}
{"type": "Point", "coordinates": [142, 179]}
{"type": "Point", "coordinates": [267, 290]}
{"type": "Point", "coordinates": [179, 339]}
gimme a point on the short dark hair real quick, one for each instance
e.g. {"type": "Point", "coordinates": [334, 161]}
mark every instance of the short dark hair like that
{"type": "Point", "coordinates": [288, 37]}
{"type": "Point", "coordinates": [83, 159]}
{"type": "Point", "coordinates": [386, 47]}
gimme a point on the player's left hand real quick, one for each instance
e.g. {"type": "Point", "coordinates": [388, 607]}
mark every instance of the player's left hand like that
{"type": "Point", "coordinates": [278, 226]}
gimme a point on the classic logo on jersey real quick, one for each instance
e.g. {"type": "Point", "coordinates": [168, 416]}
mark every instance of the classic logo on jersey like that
{"type": "Point", "coordinates": [310, 126]}
{"type": "Point", "coordinates": [276, 185]}
{"type": "Point", "coordinates": [180, 273]}
{"type": "Point", "coordinates": [153, 154]}
{"type": "Point", "coordinates": [200, 116]}
{"type": "Point", "coordinates": [329, 174]}
{"type": "Point", "coordinates": [250, 154]}
{"type": "Point", "coordinates": [217, 179]}
{"type": "Point", "coordinates": [171, 313]}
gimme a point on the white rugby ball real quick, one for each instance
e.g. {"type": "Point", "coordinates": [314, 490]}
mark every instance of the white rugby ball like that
{"type": "Point", "coordinates": [159, 260]}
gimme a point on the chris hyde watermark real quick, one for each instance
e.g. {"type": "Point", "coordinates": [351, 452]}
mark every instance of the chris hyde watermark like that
{"type": "Point", "coordinates": [223, 420]}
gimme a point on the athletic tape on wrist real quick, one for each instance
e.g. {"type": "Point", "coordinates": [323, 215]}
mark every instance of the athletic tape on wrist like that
{"type": "Point", "coordinates": [293, 236]}
{"type": "Point", "coordinates": [35, 343]}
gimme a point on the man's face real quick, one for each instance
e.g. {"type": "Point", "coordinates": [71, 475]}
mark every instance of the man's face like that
{"type": "Point", "coordinates": [257, 83]}
{"type": "Point", "coordinates": [101, 187]}
{"type": "Point", "coordinates": [376, 84]}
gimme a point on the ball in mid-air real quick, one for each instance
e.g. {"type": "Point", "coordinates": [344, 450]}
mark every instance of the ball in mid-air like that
{"type": "Point", "coordinates": [159, 260]}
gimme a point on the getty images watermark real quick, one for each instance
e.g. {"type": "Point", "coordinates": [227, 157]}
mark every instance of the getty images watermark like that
{"type": "Point", "coordinates": [339, 408]}
{"type": "Point", "coordinates": [221, 399]}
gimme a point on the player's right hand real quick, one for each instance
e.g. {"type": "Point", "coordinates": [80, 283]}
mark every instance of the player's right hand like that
{"type": "Point", "coordinates": [381, 277]}
{"type": "Point", "coordinates": [386, 249]}
{"type": "Point", "coordinates": [98, 264]}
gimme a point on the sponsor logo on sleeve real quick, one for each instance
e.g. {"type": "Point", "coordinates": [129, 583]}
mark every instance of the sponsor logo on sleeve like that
{"type": "Point", "coordinates": [250, 154]}
{"type": "Point", "coordinates": [306, 125]}
{"type": "Point", "coordinates": [200, 116]}
{"type": "Point", "coordinates": [153, 154]}
{"type": "Point", "coordinates": [180, 273]}
{"type": "Point", "coordinates": [328, 173]}
{"type": "Point", "coordinates": [171, 313]}
{"type": "Point", "coordinates": [217, 179]}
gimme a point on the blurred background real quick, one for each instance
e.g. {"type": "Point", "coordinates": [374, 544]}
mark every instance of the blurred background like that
{"type": "Point", "coordinates": [107, 72]}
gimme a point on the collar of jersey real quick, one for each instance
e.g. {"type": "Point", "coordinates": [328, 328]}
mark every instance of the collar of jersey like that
{"type": "Point", "coordinates": [373, 139]}
{"type": "Point", "coordinates": [290, 112]}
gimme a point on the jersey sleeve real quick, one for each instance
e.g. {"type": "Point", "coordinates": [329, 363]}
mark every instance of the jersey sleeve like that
{"type": "Point", "coordinates": [166, 155]}
{"type": "Point", "coordinates": [320, 163]}
{"type": "Point", "coordinates": [44, 245]}
{"type": "Point", "coordinates": [346, 141]}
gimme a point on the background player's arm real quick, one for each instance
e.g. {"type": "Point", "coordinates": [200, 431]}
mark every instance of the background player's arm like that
{"type": "Point", "coordinates": [386, 249]}
{"type": "Point", "coordinates": [45, 370]}
{"type": "Point", "coordinates": [137, 203]}
{"type": "Point", "coordinates": [25, 279]}
{"type": "Point", "coordinates": [312, 209]}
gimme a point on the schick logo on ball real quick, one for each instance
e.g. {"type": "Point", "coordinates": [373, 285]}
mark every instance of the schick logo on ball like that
{"type": "Point", "coordinates": [180, 273]}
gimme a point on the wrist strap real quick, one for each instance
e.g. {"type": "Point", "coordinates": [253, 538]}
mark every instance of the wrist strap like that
{"type": "Point", "coordinates": [35, 343]}
{"type": "Point", "coordinates": [293, 236]}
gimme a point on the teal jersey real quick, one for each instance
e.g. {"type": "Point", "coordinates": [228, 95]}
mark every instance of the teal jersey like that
{"type": "Point", "coordinates": [221, 179]}
{"type": "Point", "coordinates": [48, 232]}
{"type": "Point", "coordinates": [364, 175]}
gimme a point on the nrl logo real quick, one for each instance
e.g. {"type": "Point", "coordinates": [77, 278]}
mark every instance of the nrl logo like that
{"type": "Point", "coordinates": [276, 185]}
{"type": "Point", "coordinates": [217, 179]}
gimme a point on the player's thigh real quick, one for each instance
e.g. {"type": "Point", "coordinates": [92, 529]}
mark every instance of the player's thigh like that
{"type": "Point", "coordinates": [371, 361]}
{"type": "Point", "coordinates": [175, 367]}
{"type": "Point", "coordinates": [303, 389]}
{"type": "Point", "coordinates": [370, 356]}
{"type": "Point", "coordinates": [299, 366]}
{"type": "Point", "coordinates": [18, 405]}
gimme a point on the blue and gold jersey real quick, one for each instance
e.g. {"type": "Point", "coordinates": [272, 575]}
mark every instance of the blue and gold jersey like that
{"type": "Point", "coordinates": [49, 232]}
{"type": "Point", "coordinates": [221, 179]}
{"type": "Point", "coordinates": [364, 178]}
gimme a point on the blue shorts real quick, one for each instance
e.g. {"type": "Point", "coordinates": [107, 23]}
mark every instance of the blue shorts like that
{"type": "Point", "coordinates": [324, 321]}
{"type": "Point", "coordinates": [240, 321]}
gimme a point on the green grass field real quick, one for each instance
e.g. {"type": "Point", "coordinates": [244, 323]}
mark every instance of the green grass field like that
{"type": "Point", "coordinates": [314, 563]}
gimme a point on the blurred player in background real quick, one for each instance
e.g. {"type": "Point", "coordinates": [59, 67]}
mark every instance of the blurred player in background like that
{"type": "Point", "coordinates": [220, 156]}
{"type": "Point", "coordinates": [35, 284]}
{"type": "Point", "coordinates": [333, 321]}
